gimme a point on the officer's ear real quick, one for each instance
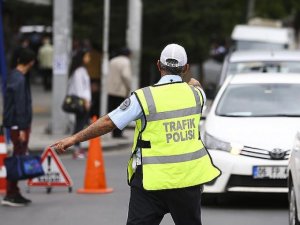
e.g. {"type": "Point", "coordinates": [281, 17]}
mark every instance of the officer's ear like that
{"type": "Point", "coordinates": [158, 65]}
{"type": "Point", "coordinates": [186, 68]}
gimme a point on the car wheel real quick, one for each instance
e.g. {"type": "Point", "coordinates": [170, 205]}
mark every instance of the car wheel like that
{"type": "Point", "coordinates": [293, 218]}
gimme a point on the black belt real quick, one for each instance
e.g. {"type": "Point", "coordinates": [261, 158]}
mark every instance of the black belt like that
{"type": "Point", "coordinates": [143, 144]}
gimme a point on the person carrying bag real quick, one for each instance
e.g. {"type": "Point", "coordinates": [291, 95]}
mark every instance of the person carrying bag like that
{"type": "Point", "coordinates": [79, 95]}
{"type": "Point", "coordinates": [17, 117]}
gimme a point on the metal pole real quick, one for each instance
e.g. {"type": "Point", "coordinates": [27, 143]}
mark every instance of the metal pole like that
{"type": "Point", "coordinates": [3, 70]}
{"type": "Point", "coordinates": [250, 9]}
{"type": "Point", "coordinates": [134, 32]}
{"type": "Point", "coordinates": [62, 25]}
{"type": "Point", "coordinates": [105, 59]}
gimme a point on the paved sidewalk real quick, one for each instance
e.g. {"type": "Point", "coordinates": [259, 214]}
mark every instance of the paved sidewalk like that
{"type": "Point", "coordinates": [40, 139]}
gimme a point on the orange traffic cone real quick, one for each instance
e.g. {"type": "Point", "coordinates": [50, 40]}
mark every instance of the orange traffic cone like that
{"type": "Point", "coordinates": [3, 155]}
{"type": "Point", "coordinates": [95, 182]}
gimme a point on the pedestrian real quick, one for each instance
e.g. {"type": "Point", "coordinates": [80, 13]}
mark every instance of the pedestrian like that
{"type": "Point", "coordinates": [119, 83]}
{"type": "Point", "coordinates": [17, 116]}
{"type": "Point", "coordinates": [169, 163]}
{"type": "Point", "coordinates": [94, 70]}
{"type": "Point", "coordinates": [45, 59]}
{"type": "Point", "coordinates": [24, 42]}
{"type": "Point", "coordinates": [79, 85]}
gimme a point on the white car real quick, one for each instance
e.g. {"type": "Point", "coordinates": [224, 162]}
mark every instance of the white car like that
{"type": "Point", "coordinates": [294, 183]}
{"type": "Point", "coordinates": [247, 37]}
{"type": "Point", "coordinates": [259, 61]}
{"type": "Point", "coordinates": [249, 132]}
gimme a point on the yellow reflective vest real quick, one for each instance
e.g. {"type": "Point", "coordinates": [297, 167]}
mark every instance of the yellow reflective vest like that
{"type": "Point", "coordinates": [172, 153]}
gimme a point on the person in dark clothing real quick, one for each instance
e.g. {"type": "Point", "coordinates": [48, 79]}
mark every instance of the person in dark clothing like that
{"type": "Point", "coordinates": [24, 43]}
{"type": "Point", "coordinates": [17, 117]}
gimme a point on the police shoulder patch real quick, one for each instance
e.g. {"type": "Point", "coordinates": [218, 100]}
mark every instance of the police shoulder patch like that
{"type": "Point", "coordinates": [125, 104]}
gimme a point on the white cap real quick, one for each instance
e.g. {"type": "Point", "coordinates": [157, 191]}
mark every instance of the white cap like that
{"type": "Point", "coordinates": [176, 52]}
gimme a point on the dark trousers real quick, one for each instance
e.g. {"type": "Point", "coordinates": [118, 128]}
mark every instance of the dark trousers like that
{"type": "Point", "coordinates": [113, 103]}
{"type": "Point", "coordinates": [149, 207]}
{"type": "Point", "coordinates": [19, 148]}
{"type": "Point", "coordinates": [96, 98]}
{"type": "Point", "coordinates": [81, 119]}
{"type": "Point", "coordinates": [47, 79]}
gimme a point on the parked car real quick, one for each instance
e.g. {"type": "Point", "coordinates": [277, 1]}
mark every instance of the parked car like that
{"type": "Point", "coordinates": [260, 61]}
{"type": "Point", "coordinates": [211, 78]}
{"type": "Point", "coordinates": [294, 183]}
{"type": "Point", "coordinates": [258, 34]}
{"type": "Point", "coordinates": [249, 132]}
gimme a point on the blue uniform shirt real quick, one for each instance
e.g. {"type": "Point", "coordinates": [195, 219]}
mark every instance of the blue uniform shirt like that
{"type": "Point", "coordinates": [130, 110]}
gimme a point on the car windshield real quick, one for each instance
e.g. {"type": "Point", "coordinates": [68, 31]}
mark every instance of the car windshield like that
{"type": "Point", "coordinates": [260, 100]}
{"type": "Point", "coordinates": [250, 45]}
{"type": "Point", "coordinates": [264, 67]}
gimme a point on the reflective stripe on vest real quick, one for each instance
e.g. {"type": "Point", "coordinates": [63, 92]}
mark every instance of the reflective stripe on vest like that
{"type": "Point", "coordinates": [154, 115]}
{"type": "Point", "coordinates": [175, 158]}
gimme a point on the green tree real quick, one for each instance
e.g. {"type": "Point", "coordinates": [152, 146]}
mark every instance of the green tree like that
{"type": "Point", "coordinates": [192, 23]}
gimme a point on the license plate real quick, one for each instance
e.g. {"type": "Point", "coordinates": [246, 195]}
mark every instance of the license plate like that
{"type": "Point", "coordinates": [270, 172]}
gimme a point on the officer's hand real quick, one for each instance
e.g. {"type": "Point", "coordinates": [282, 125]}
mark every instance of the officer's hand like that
{"type": "Point", "coordinates": [62, 145]}
{"type": "Point", "coordinates": [194, 83]}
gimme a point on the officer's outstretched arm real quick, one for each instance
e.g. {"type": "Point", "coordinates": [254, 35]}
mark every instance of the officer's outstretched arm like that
{"type": "Point", "coordinates": [102, 126]}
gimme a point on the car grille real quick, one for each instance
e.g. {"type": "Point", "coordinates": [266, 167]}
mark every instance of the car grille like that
{"type": "Point", "coordinates": [249, 181]}
{"type": "Point", "coordinates": [263, 154]}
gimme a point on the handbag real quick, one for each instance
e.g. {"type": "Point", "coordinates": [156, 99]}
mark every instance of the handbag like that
{"type": "Point", "coordinates": [73, 104]}
{"type": "Point", "coordinates": [23, 167]}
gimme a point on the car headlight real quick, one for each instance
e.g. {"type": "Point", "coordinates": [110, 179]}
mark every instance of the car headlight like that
{"type": "Point", "coordinates": [214, 143]}
{"type": "Point", "coordinates": [296, 145]}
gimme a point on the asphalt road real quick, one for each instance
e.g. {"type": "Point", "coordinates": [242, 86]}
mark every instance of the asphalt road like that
{"type": "Point", "coordinates": [63, 208]}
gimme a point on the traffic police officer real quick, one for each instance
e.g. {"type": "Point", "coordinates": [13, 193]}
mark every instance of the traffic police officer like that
{"type": "Point", "coordinates": [169, 162]}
